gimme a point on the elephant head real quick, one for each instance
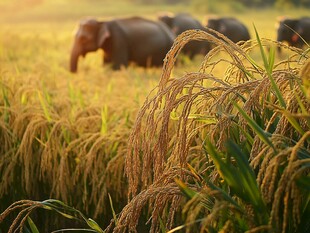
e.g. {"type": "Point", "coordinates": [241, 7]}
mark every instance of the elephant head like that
{"type": "Point", "coordinates": [230, 27]}
{"type": "Point", "coordinates": [215, 24]}
{"type": "Point", "coordinates": [286, 31]}
{"type": "Point", "coordinates": [89, 37]}
{"type": "Point", "coordinates": [168, 20]}
{"type": "Point", "coordinates": [296, 32]}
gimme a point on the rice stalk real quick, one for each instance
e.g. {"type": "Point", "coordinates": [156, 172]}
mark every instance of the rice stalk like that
{"type": "Point", "coordinates": [167, 128]}
{"type": "Point", "coordinates": [52, 156]}
{"type": "Point", "coordinates": [27, 207]}
{"type": "Point", "coordinates": [158, 195]}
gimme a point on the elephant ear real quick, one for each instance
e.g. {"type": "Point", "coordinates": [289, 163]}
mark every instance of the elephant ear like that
{"type": "Point", "coordinates": [103, 34]}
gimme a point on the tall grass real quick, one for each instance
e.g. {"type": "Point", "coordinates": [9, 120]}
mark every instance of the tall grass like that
{"type": "Point", "coordinates": [64, 136]}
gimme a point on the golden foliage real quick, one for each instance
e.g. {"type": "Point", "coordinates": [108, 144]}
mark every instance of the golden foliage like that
{"type": "Point", "coordinates": [174, 121]}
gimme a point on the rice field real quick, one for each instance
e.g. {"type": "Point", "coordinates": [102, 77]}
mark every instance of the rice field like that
{"type": "Point", "coordinates": [217, 144]}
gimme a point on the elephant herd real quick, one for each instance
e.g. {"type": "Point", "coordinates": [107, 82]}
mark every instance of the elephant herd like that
{"type": "Point", "coordinates": [146, 42]}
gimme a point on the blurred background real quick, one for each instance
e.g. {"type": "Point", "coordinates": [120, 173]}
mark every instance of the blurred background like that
{"type": "Point", "coordinates": [39, 19]}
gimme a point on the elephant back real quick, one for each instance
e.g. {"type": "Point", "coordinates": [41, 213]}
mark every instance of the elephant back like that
{"type": "Point", "coordinates": [137, 26]}
{"type": "Point", "coordinates": [230, 27]}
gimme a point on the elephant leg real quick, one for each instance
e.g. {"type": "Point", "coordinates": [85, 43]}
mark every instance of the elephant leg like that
{"type": "Point", "coordinates": [120, 59]}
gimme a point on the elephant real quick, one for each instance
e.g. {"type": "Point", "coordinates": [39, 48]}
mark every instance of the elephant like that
{"type": "Point", "coordinates": [124, 41]}
{"type": "Point", "coordinates": [182, 22]}
{"type": "Point", "coordinates": [294, 31]}
{"type": "Point", "coordinates": [230, 27]}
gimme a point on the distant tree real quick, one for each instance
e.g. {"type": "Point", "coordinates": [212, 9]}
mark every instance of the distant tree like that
{"type": "Point", "coordinates": [289, 3]}
{"type": "Point", "coordinates": [256, 3]}
{"type": "Point", "coordinates": [284, 3]}
{"type": "Point", "coordinates": [174, 1]}
{"type": "Point", "coordinates": [304, 3]}
{"type": "Point", "coordinates": [161, 1]}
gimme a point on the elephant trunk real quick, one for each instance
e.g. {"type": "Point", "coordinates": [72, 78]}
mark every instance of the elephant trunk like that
{"type": "Point", "coordinates": [75, 53]}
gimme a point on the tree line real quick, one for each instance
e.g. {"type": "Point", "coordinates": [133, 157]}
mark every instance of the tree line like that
{"type": "Point", "coordinates": [247, 3]}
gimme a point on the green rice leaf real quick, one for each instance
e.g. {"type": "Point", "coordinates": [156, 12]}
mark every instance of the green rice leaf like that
{"type": "Point", "coordinates": [23, 99]}
{"type": "Point", "coordinates": [304, 183]}
{"type": "Point", "coordinates": [6, 104]}
{"type": "Point", "coordinates": [184, 226]}
{"type": "Point", "coordinates": [104, 120]}
{"type": "Point", "coordinates": [194, 172]}
{"type": "Point", "coordinates": [45, 107]}
{"type": "Point", "coordinates": [240, 177]}
{"type": "Point", "coordinates": [60, 207]}
{"type": "Point", "coordinates": [203, 118]}
{"type": "Point", "coordinates": [162, 225]}
{"type": "Point", "coordinates": [92, 224]}
{"type": "Point", "coordinates": [112, 208]}
{"type": "Point", "coordinates": [293, 121]}
{"type": "Point", "coordinates": [187, 191]}
{"type": "Point", "coordinates": [248, 179]}
{"type": "Point", "coordinates": [271, 59]}
{"type": "Point", "coordinates": [73, 230]}
{"type": "Point", "coordinates": [263, 135]}
{"type": "Point", "coordinates": [209, 120]}
{"type": "Point", "coordinates": [225, 196]}
{"type": "Point", "coordinates": [33, 227]}
{"type": "Point", "coordinates": [269, 67]}
{"type": "Point", "coordinates": [227, 171]}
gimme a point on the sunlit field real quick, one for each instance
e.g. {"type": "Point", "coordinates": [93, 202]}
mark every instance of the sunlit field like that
{"type": "Point", "coordinates": [65, 136]}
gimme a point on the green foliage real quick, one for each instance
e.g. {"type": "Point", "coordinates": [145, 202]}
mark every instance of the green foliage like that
{"type": "Point", "coordinates": [28, 207]}
{"type": "Point", "coordinates": [240, 187]}
{"type": "Point", "coordinates": [33, 227]}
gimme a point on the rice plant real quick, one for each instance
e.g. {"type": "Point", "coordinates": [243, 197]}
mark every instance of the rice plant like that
{"type": "Point", "coordinates": [64, 137]}
{"type": "Point", "coordinates": [27, 207]}
{"type": "Point", "coordinates": [228, 149]}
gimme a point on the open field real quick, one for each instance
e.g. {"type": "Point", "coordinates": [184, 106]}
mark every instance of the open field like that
{"type": "Point", "coordinates": [65, 136]}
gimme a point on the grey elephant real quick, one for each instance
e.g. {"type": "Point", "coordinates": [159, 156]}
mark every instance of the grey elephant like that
{"type": "Point", "coordinates": [292, 30]}
{"type": "Point", "coordinates": [230, 27]}
{"type": "Point", "coordinates": [124, 41]}
{"type": "Point", "coordinates": [182, 22]}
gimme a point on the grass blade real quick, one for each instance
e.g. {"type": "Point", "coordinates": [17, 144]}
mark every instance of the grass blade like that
{"type": "Point", "coordinates": [263, 135]}
{"type": "Point", "coordinates": [269, 66]}
{"type": "Point", "coordinates": [45, 108]}
{"type": "Point", "coordinates": [33, 227]}
{"type": "Point", "coordinates": [112, 208]}
{"type": "Point", "coordinates": [187, 191]}
{"type": "Point", "coordinates": [248, 181]}
{"type": "Point", "coordinates": [60, 207]}
{"type": "Point", "coordinates": [104, 120]}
